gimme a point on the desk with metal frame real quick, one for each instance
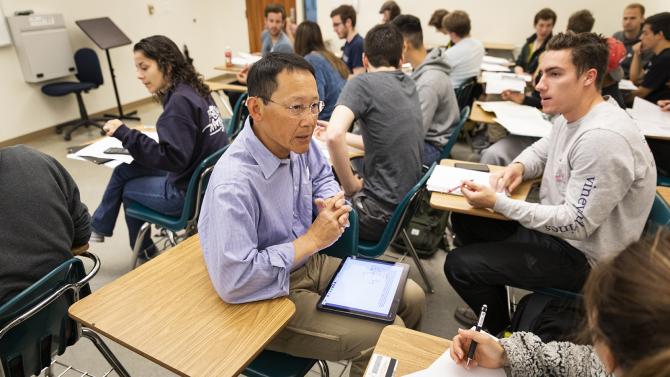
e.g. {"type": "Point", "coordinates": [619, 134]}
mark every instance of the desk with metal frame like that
{"type": "Point", "coordinates": [168, 311]}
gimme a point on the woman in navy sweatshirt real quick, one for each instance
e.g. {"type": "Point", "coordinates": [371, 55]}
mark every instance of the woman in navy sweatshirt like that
{"type": "Point", "coordinates": [189, 129]}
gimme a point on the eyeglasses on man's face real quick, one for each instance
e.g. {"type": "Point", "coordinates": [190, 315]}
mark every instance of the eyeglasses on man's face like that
{"type": "Point", "coordinates": [299, 109]}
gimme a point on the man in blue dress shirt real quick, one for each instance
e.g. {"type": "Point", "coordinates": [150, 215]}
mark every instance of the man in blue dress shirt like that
{"type": "Point", "coordinates": [272, 204]}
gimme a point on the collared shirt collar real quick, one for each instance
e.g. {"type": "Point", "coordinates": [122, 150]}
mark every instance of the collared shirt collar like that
{"type": "Point", "coordinates": [267, 161]}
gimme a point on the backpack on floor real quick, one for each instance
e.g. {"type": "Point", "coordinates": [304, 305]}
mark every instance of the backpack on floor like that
{"type": "Point", "coordinates": [550, 318]}
{"type": "Point", "coordinates": [425, 229]}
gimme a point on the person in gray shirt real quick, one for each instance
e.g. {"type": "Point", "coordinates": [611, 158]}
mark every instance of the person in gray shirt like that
{"type": "Point", "coordinates": [385, 103]}
{"type": "Point", "coordinates": [598, 186]}
{"type": "Point", "coordinates": [633, 18]}
{"type": "Point", "coordinates": [273, 39]}
{"type": "Point", "coordinates": [42, 222]}
{"type": "Point", "coordinates": [439, 106]}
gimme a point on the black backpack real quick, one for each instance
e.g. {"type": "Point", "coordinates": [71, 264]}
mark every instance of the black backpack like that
{"type": "Point", "coordinates": [550, 318]}
{"type": "Point", "coordinates": [425, 229]}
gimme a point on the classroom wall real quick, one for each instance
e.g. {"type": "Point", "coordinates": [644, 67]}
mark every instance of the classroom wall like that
{"type": "Point", "coordinates": [492, 20]}
{"type": "Point", "coordinates": [206, 26]}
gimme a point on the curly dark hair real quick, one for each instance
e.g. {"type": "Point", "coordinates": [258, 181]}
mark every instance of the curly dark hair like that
{"type": "Point", "coordinates": [172, 64]}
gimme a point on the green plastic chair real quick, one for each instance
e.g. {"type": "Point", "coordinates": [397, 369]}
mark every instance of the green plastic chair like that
{"type": "Point", "coordinates": [35, 327]}
{"type": "Point", "coordinates": [446, 151]}
{"type": "Point", "coordinates": [188, 220]}
{"type": "Point", "coordinates": [396, 225]}
{"type": "Point", "coordinates": [277, 364]}
{"type": "Point", "coordinates": [662, 180]}
{"type": "Point", "coordinates": [660, 211]}
{"type": "Point", "coordinates": [234, 124]}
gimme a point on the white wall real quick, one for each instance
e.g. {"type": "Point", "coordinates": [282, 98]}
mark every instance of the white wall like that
{"type": "Point", "coordinates": [206, 26]}
{"type": "Point", "coordinates": [492, 20]}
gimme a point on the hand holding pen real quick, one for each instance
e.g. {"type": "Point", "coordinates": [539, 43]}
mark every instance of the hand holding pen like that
{"type": "Point", "coordinates": [487, 353]}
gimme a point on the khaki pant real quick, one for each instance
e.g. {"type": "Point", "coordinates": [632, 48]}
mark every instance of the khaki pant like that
{"type": "Point", "coordinates": [328, 336]}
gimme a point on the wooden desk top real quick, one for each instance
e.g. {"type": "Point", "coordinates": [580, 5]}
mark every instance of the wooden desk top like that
{"type": "Point", "coordinates": [167, 311]}
{"type": "Point", "coordinates": [664, 192]}
{"type": "Point", "coordinates": [457, 203]}
{"type": "Point", "coordinates": [215, 86]}
{"type": "Point", "coordinates": [414, 350]}
{"type": "Point", "coordinates": [478, 114]}
{"type": "Point", "coordinates": [231, 70]}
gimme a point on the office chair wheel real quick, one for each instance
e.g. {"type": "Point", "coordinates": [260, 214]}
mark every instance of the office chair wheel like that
{"type": "Point", "coordinates": [67, 137]}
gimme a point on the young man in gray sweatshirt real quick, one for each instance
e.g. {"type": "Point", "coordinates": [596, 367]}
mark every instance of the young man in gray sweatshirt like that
{"type": "Point", "coordinates": [439, 106]}
{"type": "Point", "coordinates": [598, 185]}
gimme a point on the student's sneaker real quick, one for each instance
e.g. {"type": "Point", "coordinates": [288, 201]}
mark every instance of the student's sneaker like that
{"type": "Point", "coordinates": [465, 316]}
{"type": "Point", "coordinates": [96, 237]}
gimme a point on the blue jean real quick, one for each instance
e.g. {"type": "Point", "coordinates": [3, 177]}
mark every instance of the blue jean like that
{"type": "Point", "coordinates": [430, 154]}
{"type": "Point", "coordinates": [134, 183]}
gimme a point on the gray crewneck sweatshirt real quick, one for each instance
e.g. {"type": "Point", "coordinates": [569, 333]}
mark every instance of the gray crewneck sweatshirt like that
{"type": "Point", "coordinates": [598, 182]}
{"type": "Point", "coordinates": [439, 106]}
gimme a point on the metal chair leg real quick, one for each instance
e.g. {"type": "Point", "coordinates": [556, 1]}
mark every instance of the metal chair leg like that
{"type": "Point", "coordinates": [105, 351]}
{"type": "Point", "coordinates": [408, 243]}
{"type": "Point", "coordinates": [137, 248]}
{"type": "Point", "coordinates": [323, 367]}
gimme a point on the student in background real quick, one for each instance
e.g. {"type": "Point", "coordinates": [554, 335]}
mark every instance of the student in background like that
{"type": "Point", "coordinates": [581, 21]}
{"type": "Point", "coordinates": [655, 38]}
{"type": "Point", "coordinates": [466, 54]}
{"type": "Point", "coordinates": [598, 177]}
{"type": "Point", "coordinates": [271, 205]}
{"type": "Point", "coordinates": [344, 25]}
{"type": "Point", "coordinates": [386, 104]}
{"type": "Point", "coordinates": [633, 17]}
{"type": "Point", "coordinates": [330, 71]}
{"type": "Point", "coordinates": [273, 38]}
{"type": "Point", "coordinates": [42, 222]}
{"type": "Point", "coordinates": [189, 130]}
{"type": "Point", "coordinates": [543, 23]}
{"type": "Point", "coordinates": [439, 106]}
{"type": "Point", "coordinates": [389, 11]}
{"type": "Point", "coordinates": [627, 302]}
{"type": "Point", "coordinates": [436, 20]}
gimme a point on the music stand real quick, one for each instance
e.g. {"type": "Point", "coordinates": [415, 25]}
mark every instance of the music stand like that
{"type": "Point", "coordinates": [104, 33]}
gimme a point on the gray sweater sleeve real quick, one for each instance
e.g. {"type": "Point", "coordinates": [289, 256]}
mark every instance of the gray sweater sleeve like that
{"type": "Point", "coordinates": [534, 158]}
{"type": "Point", "coordinates": [602, 171]}
{"type": "Point", "coordinates": [527, 356]}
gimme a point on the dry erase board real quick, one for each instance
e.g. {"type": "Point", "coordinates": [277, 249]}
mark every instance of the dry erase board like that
{"type": "Point", "coordinates": [5, 39]}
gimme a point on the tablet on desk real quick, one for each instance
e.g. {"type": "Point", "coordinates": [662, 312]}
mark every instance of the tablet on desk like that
{"type": "Point", "coordinates": [366, 288]}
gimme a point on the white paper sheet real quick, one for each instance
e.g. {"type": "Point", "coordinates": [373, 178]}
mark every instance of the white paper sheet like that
{"type": "Point", "coordinates": [519, 119]}
{"type": "Point", "coordinates": [627, 85]}
{"type": "Point", "coordinates": [97, 150]}
{"type": "Point", "coordinates": [244, 58]}
{"type": "Point", "coordinates": [445, 366]}
{"type": "Point", "coordinates": [650, 112]}
{"type": "Point", "coordinates": [499, 84]}
{"type": "Point", "coordinates": [445, 178]}
{"type": "Point", "coordinates": [495, 60]}
{"type": "Point", "coordinates": [495, 75]}
{"type": "Point", "coordinates": [493, 67]}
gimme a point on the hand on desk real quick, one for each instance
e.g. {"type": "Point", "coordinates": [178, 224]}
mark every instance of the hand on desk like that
{"type": "Point", "coordinates": [477, 195]}
{"type": "Point", "coordinates": [111, 126]}
{"type": "Point", "coordinates": [515, 97]}
{"type": "Point", "coordinates": [507, 179]}
{"type": "Point", "coordinates": [664, 103]}
{"type": "Point", "coordinates": [489, 354]}
{"type": "Point", "coordinates": [242, 75]}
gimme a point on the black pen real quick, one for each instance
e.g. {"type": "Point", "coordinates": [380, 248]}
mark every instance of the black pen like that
{"type": "Point", "coordinates": [473, 345]}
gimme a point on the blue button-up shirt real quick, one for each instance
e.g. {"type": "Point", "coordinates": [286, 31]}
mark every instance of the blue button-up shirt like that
{"type": "Point", "coordinates": [255, 206]}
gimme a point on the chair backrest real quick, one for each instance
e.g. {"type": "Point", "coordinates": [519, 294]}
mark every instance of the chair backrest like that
{"type": "Point", "coordinates": [347, 244]}
{"type": "Point", "coordinates": [35, 326]}
{"type": "Point", "coordinates": [197, 185]}
{"type": "Point", "coordinates": [240, 113]}
{"type": "Point", "coordinates": [464, 92]}
{"type": "Point", "coordinates": [398, 219]}
{"type": "Point", "coordinates": [88, 66]}
{"type": "Point", "coordinates": [465, 113]}
{"type": "Point", "coordinates": [660, 211]}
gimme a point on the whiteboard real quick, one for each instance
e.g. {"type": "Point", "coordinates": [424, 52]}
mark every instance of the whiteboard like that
{"type": "Point", "coordinates": [5, 39]}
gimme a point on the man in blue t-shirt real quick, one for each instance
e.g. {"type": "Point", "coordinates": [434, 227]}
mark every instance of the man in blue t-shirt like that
{"type": "Point", "coordinates": [344, 25]}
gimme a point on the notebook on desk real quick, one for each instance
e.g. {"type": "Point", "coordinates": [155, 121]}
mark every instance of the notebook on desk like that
{"type": "Point", "coordinates": [445, 178]}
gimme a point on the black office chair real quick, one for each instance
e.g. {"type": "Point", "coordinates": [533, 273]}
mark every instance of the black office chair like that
{"type": "Point", "coordinates": [89, 75]}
